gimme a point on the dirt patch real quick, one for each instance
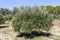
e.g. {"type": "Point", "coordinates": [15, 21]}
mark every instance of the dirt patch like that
{"type": "Point", "coordinates": [56, 22]}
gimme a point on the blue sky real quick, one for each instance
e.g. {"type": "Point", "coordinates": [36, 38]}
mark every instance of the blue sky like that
{"type": "Point", "coordinates": [17, 3]}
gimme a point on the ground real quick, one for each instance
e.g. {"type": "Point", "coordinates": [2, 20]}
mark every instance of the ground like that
{"type": "Point", "coordinates": [8, 33]}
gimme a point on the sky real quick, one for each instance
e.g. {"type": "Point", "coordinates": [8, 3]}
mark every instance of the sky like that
{"type": "Point", "coordinates": [17, 3]}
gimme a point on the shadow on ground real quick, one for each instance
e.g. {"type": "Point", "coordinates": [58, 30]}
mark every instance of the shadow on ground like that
{"type": "Point", "coordinates": [33, 34]}
{"type": "Point", "coordinates": [4, 26]}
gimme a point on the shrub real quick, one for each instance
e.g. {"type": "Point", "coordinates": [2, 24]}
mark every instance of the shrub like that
{"type": "Point", "coordinates": [2, 19]}
{"type": "Point", "coordinates": [27, 19]}
{"type": "Point", "coordinates": [8, 17]}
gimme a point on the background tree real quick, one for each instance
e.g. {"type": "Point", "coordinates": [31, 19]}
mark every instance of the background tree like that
{"type": "Point", "coordinates": [15, 9]}
{"type": "Point", "coordinates": [5, 11]}
{"type": "Point", "coordinates": [2, 19]}
{"type": "Point", "coordinates": [58, 9]}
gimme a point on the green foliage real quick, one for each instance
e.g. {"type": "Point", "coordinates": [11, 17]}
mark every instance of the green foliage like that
{"type": "Point", "coordinates": [2, 19]}
{"type": "Point", "coordinates": [8, 17]}
{"type": "Point", "coordinates": [5, 11]}
{"type": "Point", "coordinates": [53, 10]}
{"type": "Point", "coordinates": [27, 19]}
{"type": "Point", "coordinates": [15, 9]}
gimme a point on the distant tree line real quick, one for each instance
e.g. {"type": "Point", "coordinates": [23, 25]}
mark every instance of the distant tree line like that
{"type": "Point", "coordinates": [50, 9]}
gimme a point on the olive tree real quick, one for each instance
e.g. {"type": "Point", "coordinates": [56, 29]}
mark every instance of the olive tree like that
{"type": "Point", "coordinates": [29, 18]}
